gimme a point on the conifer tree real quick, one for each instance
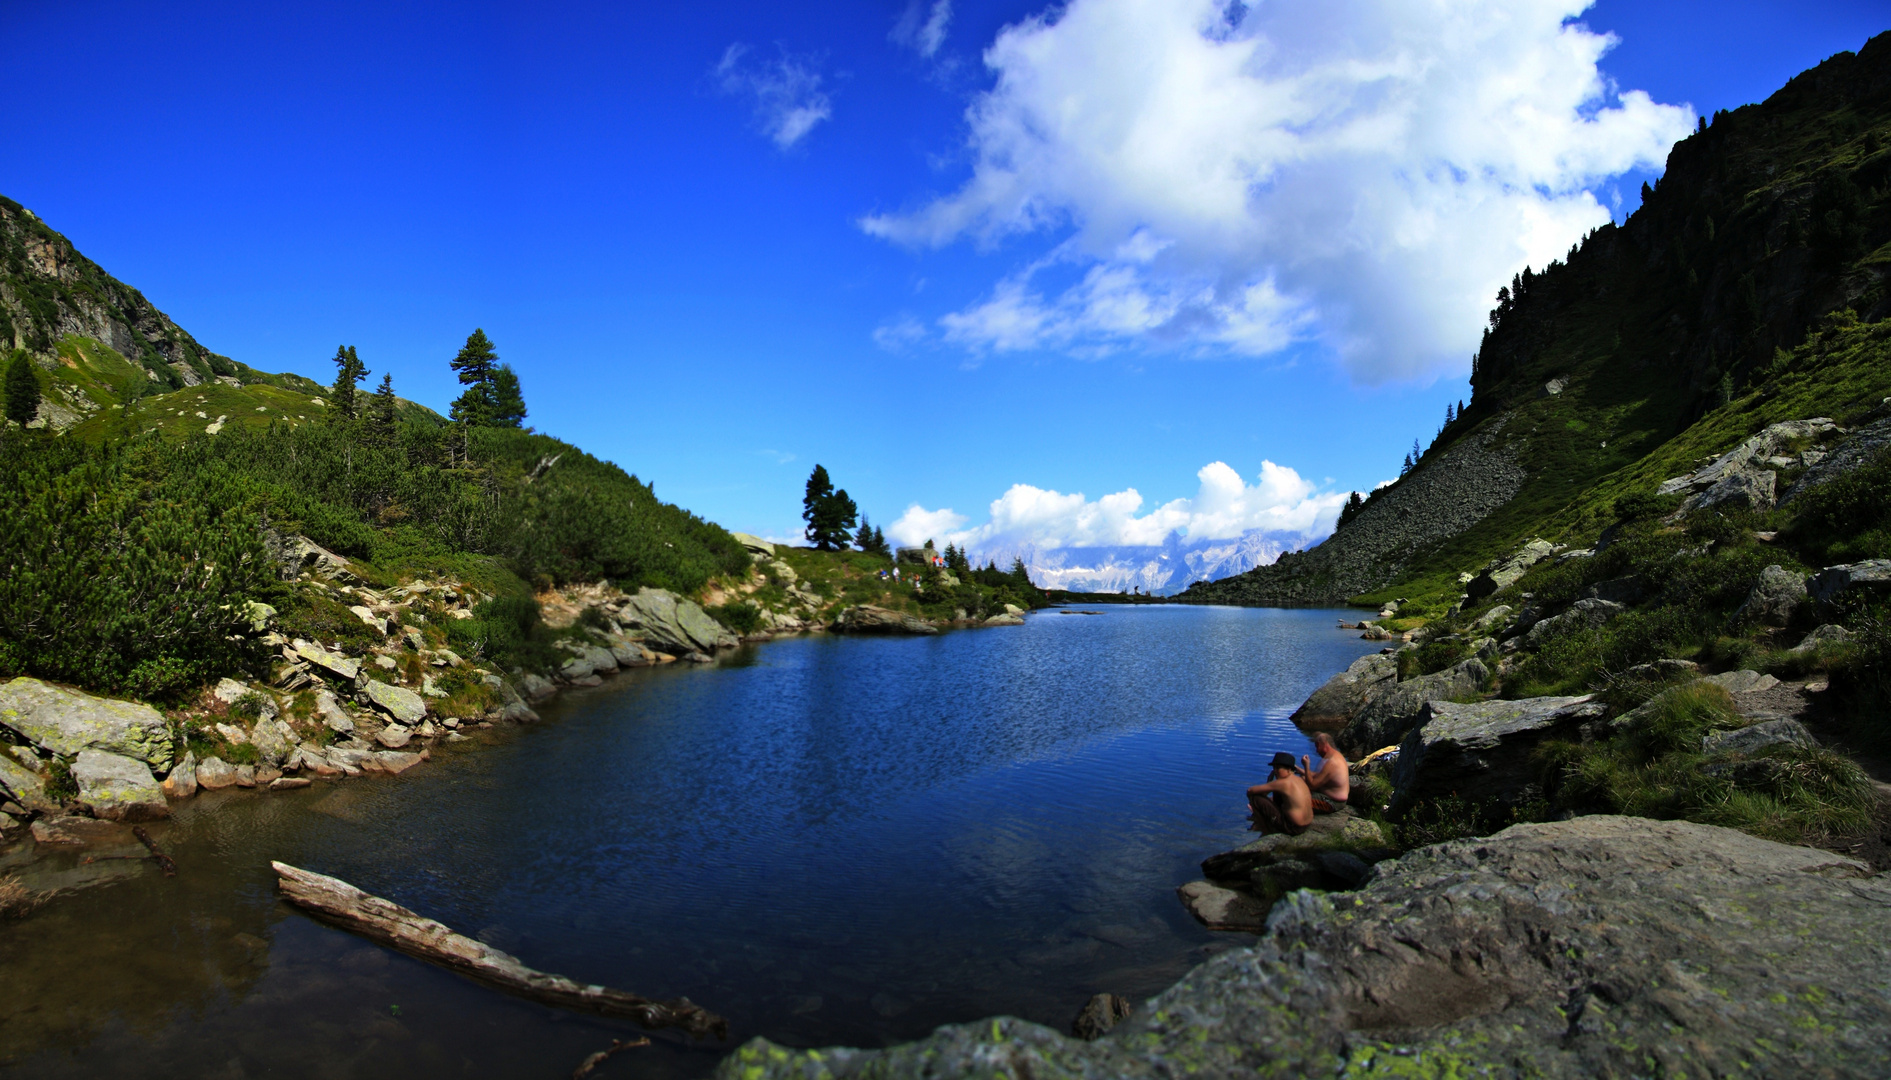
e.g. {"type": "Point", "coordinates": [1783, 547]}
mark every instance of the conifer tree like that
{"type": "Point", "coordinates": [864, 538]}
{"type": "Point", "coordinates": [383, 415]}
{"type": "Point", "coordinates": [349, 371]}
{"type": "Point", "coordinates": [829, 514]}
{"type": "Point", "coordinates": [880, 547]}
{"type": "Point", "coordinates": [507, 404]}
{"type": "Point", "coordinates": [22, 390]}
{"type": "Point", "coordinates": [474, 365]}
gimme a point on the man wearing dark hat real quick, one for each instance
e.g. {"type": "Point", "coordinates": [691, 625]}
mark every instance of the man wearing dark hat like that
{"type": "Point", "coordinates": [1283, 803]}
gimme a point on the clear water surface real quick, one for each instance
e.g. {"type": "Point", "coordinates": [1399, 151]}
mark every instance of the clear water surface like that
{"type": "Point", "coordinates": [828, 840]}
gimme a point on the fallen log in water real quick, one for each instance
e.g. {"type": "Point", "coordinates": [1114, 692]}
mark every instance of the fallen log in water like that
{"type": "Point", "coordinates": [398, 928]}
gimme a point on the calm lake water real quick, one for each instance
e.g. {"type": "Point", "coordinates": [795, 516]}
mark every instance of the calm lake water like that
{"type": "Point", "coordinates": [827, 840]}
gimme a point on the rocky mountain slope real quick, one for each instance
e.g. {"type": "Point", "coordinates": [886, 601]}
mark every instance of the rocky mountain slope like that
{"type": "Point", "coordinates": [1769, 219]}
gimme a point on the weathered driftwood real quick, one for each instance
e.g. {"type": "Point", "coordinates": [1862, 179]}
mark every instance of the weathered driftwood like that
{"type": "Point", "coordinates": [590, 1064]}
{"type": "Point", "coordinates": [164, 861]}
{"type": "Point", "coordinates": [398, 928]}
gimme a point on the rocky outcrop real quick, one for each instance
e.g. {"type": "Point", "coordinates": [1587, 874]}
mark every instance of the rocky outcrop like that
{"type": "Point", "coordinates": [1333, 706]}
{"type": "Point", "coordinates": [1602, 946]}
{"type": "Point", "coordinates": [1504, 572]}
{"type": "Point", "coordinates": [1329, 832]}
{"type": "Point", "coordinates": [1847, 456]}
{"type": "Point", "coordinates": [1775, 599]}
{"type": "Point", "coordinates": [1757, 737]}
{"type": "Point", "coordinates": [66, 722]}
{"type": "Point", "coordinates": [1834, 582]}
{"type": "Point", "coordinates": [402, 704]}
{"type": "Point", "coordinates": [1829, 634]}
{"type": "Point", "coordinates": [118, 788]}
{"type": "Point", "coordinates": [672, 624]}
{"type": "Point", "coordinates": [1745, 681]}
{"type": "Point", "coordinates": [294, 555]}
{"type": "Point", "coordinates": [1396, 709]}
{"type": "Point", "coordinates": [1482, 751]}
{"type": "Point", "coordinates": [1739, 476]}
{"type": "Point", "coordinates": [25, 784]}
{"type": "Point", "coordinates": [1581, 615]}
{"type": "Point", "coordinates": [868, 619]}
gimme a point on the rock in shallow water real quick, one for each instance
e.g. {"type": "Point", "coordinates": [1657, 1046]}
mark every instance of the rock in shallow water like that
{"type": "Point", "coordinates": [67, 721]}
{"type": "Point", "coordinates": [1594, 947]}
{"type": "Point", "coordinates": [118, 788]}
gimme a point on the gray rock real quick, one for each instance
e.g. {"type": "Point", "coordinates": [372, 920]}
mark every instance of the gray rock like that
{"type": "Point", "coordinates": [1482, 751]}
{"type": "Point", "coordinates": [1829, 634]}
{"type": "Point", "coordinates": [1752, 488]}
{"type": "Point", "coordinates": [399, 702]}
{"type": "Point", "coordinates": [537, 688]}
{"type": "Point", "coordinates": [25, 784]}
{"type": "Point", "coordinates": [1581, 615]}
{"type": "Point", "coordinates": [289, 783]}
{"type": "Point", "coordinates": [1853, 452]}
{"type": "Point", "coordinates": [1329, 832]}
{"type": "Point", "coordinates": [868, 619]}
{"type": "Point", "coordinates": [755, 544]}
{"type": "Point", "coordinates": [628, 653]}
{"type": "Point", "coordinates": [1347, 869]}
{"type": "Point", "coordinates": [1601, 946]}
{"type": "Point", "coordinates": [1742, 682]}
{"type": "Point", "coordinates": [1741, 458]}
{"type": "Point", "coordinates": [1099, 1015]}
{"type": "Point", "coordinates": [1774, 599]}
{"type": "Point", "coordinates": [1662, 670]}
{"type": "Point", "coordinates": [392, 762]}
{"type": "Point", "coordinates": [274, 740]}
{"type": "Point", "coordinates": [1835, 581]}
{"type": "Point", "coordinates": [393, 736]}
{"type": "Point", "coordinates": [333, 715]}
{"type": "Point", "coordinates": [295, 554]}
{"type": "Point", "coordinates": [1334, 705]}
{"type": "Point", "coordinates": [214, 773]}
{"type": "Point", "coordinates": [1223, 909]}
{"type": "Point", "coordinates": [1756, 737]}
{"type": "Point", "coordinates": [1492, 618]}
{"type": "Point", "coordinates": [67, 722]}
{"type": "Point", "coordinates": [1283, 876]}
{"type": "Point", "coordinates": [80, 831]}
{"type": "Point", "coordinates": [229, 691]}
{"type": "Point", "coordinates": [333, 663]}
{"type": "Point", "coordinates": [258, 615]}
{"type": "Point", "coordinates": [1004, 620]}
{"type": "Point", "coordinates": [182, 782]}
{"type": "Point", "coordinates": [672, 624]}
{"type": "Point", "coordinates": [1397, 709]}
{"type": "Point", "coordinates": [118, 788]}
{"type": "Point", "coordinates": [1504, 572]}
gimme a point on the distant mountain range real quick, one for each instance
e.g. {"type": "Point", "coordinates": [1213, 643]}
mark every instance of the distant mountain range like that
{"type": "Point", "coordinates": [1161, 569]}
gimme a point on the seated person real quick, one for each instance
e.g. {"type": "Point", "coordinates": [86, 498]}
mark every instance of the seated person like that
{"type": "Point", "coordinates": [1332, 782]}
{"type": "Point", "coordinates": [1283, 803]}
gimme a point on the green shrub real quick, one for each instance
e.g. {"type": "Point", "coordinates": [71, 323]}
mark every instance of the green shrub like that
{"type": "Point", "coordinates": [1847, 518]}
{"type": "Point", "coordinates": [1431, 657]}
{"type": "Point", "coordinates": [60, 784]}
{"type": "Point", "coordinates": [739, 616]}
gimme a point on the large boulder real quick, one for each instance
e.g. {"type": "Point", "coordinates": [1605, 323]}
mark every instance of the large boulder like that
{"type": "Point", "coordinates": [1829, 634]}
{"type": "Point", "coordinates": [333, 663]}
{"type": "Point", "coordinates": [1747, 487]}
{"type": "Point", "coordinates": [674, 625]}
{"type": "Point", "coordinates": [1833, 582]}
{"type": "Point", "coordinates": [1329, 832]}
{"type": "Point", "coordinates": [1602, 946]}
{"type": "Point", "coordinates": [333, 715]}
{"type": "Point", "coordinates": [182, 782]}
{"type": "Point", "coordinates": [1581, 615]}
{"type": "Point", "coordinates": [274, 740]}
{"type": "Point", "coordinates": [67, 722]}
{"type": "Point", "coordinates": [1500, 573]}
{"type": "Point", "coordinates": [118, 788]}
{"type": "Point", "coordinates": [1333, 706]}
{"type": "Point", "coordinates": [398, 702]}
{"type": "Point", "coordinates": [1854, 452]}
{"type": "Point", "coordinates": [868, 619]}
{"type": "Point", "coordinates": [295, 554]}
{"type": "Point", "coordinates": [1396, 709]}
{"type": "Point", "coordinates": [1775, 599]}
{"type": "Point", "coordinates": [1482, 751]}
{"type": "Point", "coordinates": [755, 544]}
{"type": "Point", "coordinates": [215, 774]}
{"type": "Point", "coordinates": [1742, 458]}
{"type": "Point", "coordinates": [1757, 737]}
{"type": "Point", "coordinates": [1220, 908]}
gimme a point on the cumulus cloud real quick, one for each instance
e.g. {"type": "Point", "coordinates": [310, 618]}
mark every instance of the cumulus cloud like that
{"type": "Point", "coordinates": [923, 29]}
{"type": "Point", "coordinates": [1230, 178]}
{"type": "Point", "coordinates": [1225, 506]}
{"type": "Point", "coordinates": [789, 100]}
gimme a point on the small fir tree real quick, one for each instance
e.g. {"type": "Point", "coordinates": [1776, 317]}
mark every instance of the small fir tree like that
{"type": "Point", "coordinates": [22, 390]}
{"type": "Point", "coordinates": [383, 413]}
{"type": "Point", "coordinates": [880, 547]}
{"type": "Point", "coordinates": [864, 538]}
{"type": "Point", "coordinates": [507, 404]}
{"type": "Point", "coordinates": [349, 371]}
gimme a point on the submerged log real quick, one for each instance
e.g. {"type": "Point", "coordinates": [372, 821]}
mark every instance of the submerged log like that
{"type": "Point", "coordinates": [164, 861]}
{"type": "Point", "coordinates": [398, 928]}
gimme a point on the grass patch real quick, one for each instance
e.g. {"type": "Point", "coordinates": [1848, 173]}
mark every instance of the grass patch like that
{"type": "Point", "coordinates": [16, 899]}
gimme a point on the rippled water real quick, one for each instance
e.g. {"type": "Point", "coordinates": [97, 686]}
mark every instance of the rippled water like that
{"type": "Point", "coordinates": [828, 840]}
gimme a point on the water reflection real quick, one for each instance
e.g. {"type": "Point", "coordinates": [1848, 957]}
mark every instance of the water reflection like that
{"type": "Point", "coordinates": [829, 841]}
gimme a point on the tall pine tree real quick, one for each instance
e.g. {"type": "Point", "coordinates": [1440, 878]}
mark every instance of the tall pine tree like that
{"type": "Point", "coordinates": [829, 514]}
{"type": "Point", "coordinates": [474, 365]}
{"type": "Point", "coordinates": [349, 371]}
{"type": "Point", "coordinates": [383, 415]}
{"type": "Point", "coordinates": [508, 406]}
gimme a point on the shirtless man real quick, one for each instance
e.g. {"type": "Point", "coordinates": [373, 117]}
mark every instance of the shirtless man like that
{"type": "Point", "coordinates": [1283, 803]}
{"type": "Point", "coordinates": [1334, 781]}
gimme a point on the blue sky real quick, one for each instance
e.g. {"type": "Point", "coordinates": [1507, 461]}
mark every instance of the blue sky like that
{"type": "Point", "coordinates": [722, 243]}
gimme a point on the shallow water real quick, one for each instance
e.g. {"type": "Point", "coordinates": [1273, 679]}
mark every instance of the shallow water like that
{"type": "Point", "coordinates": [827, 840]}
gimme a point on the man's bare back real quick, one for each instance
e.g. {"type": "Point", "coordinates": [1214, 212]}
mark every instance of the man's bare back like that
{"type": "Point", "coordinates": [1283, 803]}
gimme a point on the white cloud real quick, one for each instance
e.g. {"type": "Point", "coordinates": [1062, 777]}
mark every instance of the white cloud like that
{"type": "Point", "coordinates": [1364, 173]}
{"type": "Point", "coordinates": [1224, 507]}
{"type": "Point", "coordinates": [921, 29]}
{"type": "Point", "coordinates": [899, 334]}
{"type": "Point", "coordinates": [789, 100]}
